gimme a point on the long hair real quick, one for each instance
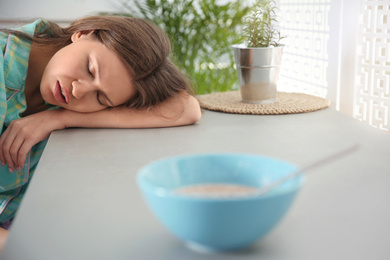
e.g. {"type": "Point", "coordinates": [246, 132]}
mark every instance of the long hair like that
{"type": "Point", "coordinates": [143, 47]}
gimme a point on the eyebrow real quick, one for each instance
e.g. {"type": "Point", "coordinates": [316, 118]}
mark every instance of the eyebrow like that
{"type": "Point", "coordinates": [98, 75]}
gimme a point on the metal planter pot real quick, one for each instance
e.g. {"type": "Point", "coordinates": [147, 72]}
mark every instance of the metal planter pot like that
{"type": "Point", "coordinates": [258, 72]}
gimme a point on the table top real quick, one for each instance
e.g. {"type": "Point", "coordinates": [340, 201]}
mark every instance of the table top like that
{"type": "Point", "coordinates": [83, 202]}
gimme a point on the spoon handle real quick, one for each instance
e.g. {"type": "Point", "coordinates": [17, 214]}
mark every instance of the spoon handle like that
{"type": "Point", "coordinates": [321, 162]}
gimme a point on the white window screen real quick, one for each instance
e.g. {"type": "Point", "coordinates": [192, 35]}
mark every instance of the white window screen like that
{"type": "Point", "coordinates": [305, 57]}
{"type": "Point", "coordinates": [372, 100]}
{"type": "Point", "coordinates": [339, 49]}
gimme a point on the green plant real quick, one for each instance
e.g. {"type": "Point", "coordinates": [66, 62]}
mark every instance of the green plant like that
{"type": "Point", "coordinates": [201, 32]}
{"type": "Point", "coordinates": [260, 29]}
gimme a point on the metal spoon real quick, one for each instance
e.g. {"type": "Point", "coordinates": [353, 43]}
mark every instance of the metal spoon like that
{"type": "Point", "coordinates": [263, 190]}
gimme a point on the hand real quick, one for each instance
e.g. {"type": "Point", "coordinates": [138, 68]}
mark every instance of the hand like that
{"type": "Point", "coordinates": [3, 238]}
{"type": "Point", "coordinates": [22, 134]}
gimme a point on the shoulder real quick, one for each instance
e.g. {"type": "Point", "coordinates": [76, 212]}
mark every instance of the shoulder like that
{"type": "Point", "coordinates": [37, 26]}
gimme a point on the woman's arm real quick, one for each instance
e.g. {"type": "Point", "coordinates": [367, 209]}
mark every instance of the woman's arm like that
{"type": "Point", "coordinates": [182, 109]}
{"type": "Point", "coordinates": [24, 133]}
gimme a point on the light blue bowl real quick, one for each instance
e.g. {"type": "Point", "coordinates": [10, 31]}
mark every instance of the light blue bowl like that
{"type": "Point", "coordinates": [218, 223]}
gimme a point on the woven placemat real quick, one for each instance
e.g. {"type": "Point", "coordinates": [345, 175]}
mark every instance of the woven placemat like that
{"type": "Point", "coordinates": [286, 103]}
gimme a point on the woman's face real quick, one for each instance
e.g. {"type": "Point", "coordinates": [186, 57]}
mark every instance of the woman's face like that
{"type": "Point", "coordinates": [86, 76]}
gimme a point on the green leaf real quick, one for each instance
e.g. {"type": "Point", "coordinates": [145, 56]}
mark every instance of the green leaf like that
{"type": "Point", "coordinates": [259, 25]}
{"type": "Point", "coordinates": [201, 33]}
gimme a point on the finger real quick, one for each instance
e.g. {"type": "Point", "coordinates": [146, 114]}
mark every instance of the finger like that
{"type": "Point", "coordinates": [8, 139]}
{"type": "Point", "coordinates": [11, 145]}
{"type": "Point", "coordinates": [12, 158]}
{"type": "Point", "coordinates": [3, 138]}
{"type": "Point", "coordinates": [1, 153]}
{"type": "Point", "coordinates": [22, 155]}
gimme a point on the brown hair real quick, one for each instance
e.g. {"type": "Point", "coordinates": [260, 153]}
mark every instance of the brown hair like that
{"type": "Point", "coordinates": [142, 46]}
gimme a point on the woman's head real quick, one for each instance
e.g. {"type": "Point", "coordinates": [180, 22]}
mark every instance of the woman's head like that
{"type": "Point", "coordinates": [142, 48]}
{"type": "Point", "coordinates": [86, 76]}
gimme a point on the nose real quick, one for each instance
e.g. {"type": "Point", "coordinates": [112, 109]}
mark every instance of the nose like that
{"type": "Point", "coordinates": [81, 88]}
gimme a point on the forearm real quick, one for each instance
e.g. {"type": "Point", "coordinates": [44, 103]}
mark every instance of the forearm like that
{"type": "Point", "coordinates": [180, 110]}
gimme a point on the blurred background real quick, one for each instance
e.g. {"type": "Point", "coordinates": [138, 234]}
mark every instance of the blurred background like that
{"type": "Point", "coordinates": [336, 49]}
{"type": "Point", "coordinates": [55, 10]}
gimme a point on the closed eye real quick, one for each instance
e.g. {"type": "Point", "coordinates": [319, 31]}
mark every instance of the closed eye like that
{"type": "Point", "coordinates": [98, 98]}
{"type": "Point", "coordinates": [89, 69]}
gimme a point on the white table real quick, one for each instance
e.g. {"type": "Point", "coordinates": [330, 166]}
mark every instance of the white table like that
{"type": "Point", "coordinates": [83, 202]}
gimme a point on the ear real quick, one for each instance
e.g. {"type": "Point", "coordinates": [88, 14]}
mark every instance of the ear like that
{"type": "Point", "coordinates": [81, 34]}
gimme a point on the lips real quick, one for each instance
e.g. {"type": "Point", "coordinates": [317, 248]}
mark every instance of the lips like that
{"type": "Point", "coordinates": [60, 94]}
